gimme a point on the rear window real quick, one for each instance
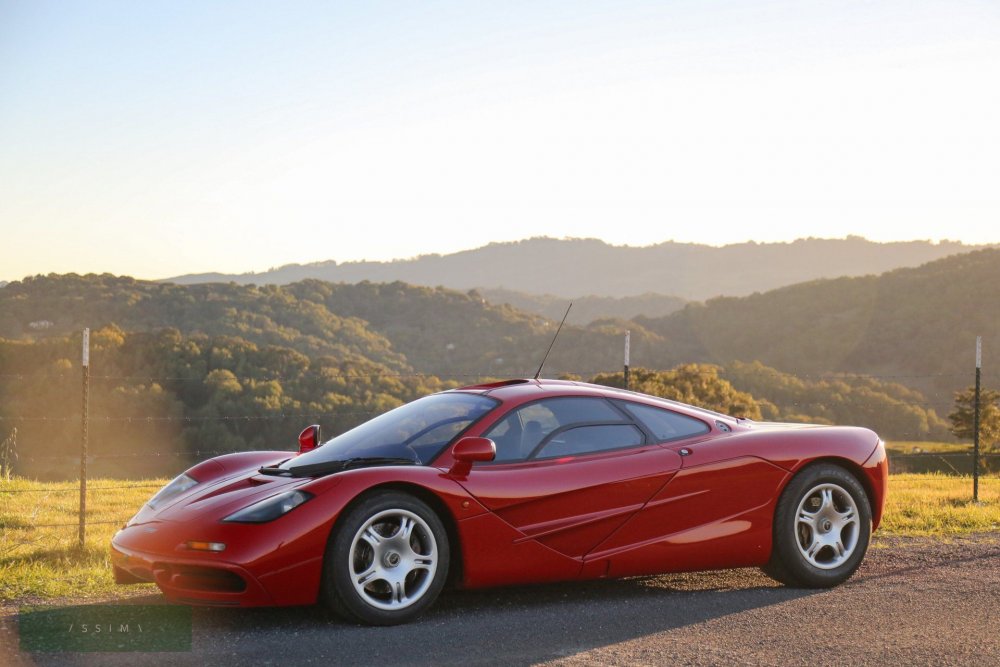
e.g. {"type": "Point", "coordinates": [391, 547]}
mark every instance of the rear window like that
{"type": "Point", "coordinates": [666, 424]}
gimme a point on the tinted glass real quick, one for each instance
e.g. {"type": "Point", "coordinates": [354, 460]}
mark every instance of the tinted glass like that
{"type": "Point", "coordinates": [587, 439]}
{"type": "Point", "coordinates": [416, 431]}
{"type": "Point", "coordinates": [667, 424]}
{"type": "Point", "coordinates": [517, 435]}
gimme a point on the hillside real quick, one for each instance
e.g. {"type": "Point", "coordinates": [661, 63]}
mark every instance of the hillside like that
{"type": "Point", "coordinates": [190, 369]}
{"type": "Point", "coordinates": [404, 328]}
{"type": "Point", "coordinates": [160, 399]}
{"type": "Point", "coordinates": [916, 324]}
{"type": "Point", "coordinates": [571, 268]}
{"type": "Point", "coordinates": [453, 334]}
{"type": "Point", "coordinates": [45, 306]}
{"type": "Point", "coordinates": [586, 309]}
{"type": "Point", "coordinates": [180, 370]}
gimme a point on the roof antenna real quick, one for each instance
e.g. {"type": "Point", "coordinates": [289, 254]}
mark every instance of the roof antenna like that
{"type": "Point", "coordinates": [539, 371]}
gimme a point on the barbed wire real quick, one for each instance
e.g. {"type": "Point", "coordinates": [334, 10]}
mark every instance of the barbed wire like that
{"type": "Point", "coordinates": [61, 525]}
{"type": "Point", "coordinates": [441, 375]}
{"type": "Point", "coordinates": [133, 419]}
{"type": "Point", "coordinates": [89, 489]}
{"type": "Point", "coordinates": [210, 453]}
{"type": "Point", "coordinates": [196, 453]}
{"type": "Point", "coordinates": [940, 402]}
{"type": "Point", "coordinates": [139, 419]}
{"type": "Point", "coordinates": [446, 375]}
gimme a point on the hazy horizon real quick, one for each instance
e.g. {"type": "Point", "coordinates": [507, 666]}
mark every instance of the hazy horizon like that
{"type": "Point", "coordinates": [262, 270]}
{"type": "Point", "coordinates": [935, 242]}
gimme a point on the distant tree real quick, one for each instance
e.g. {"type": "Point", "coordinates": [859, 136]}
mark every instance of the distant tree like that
{"type": "Point", "coordinates": [697, 384]}
{"type": "Point", "coordinates": [891, 409]}
{"type": "Point", "coordinates": [963, 418]}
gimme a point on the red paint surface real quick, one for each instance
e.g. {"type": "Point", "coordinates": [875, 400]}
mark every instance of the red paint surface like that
{"type": "Point", "coordinates": [647, 509]}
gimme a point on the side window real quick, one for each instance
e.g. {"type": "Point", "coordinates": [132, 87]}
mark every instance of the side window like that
{"type": "Point", "coordinates": [536, 421]}
{"type": "Point", "coordinates": [666, 424]}
{"type": "Point", "coordinates": [520, 432]}
{"type": "Point", "coordinates": [587, 439]}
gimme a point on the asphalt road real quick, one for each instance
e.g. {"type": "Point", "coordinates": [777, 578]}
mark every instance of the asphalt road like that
{"type": "Point", "coordinates": [914, 601]}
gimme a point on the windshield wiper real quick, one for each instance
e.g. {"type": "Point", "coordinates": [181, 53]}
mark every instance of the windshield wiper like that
{"type": "Point", "coordinates": [367, 461]}
{"type": "Point", "coordinates": [329, 467]}
{"type": "Point", "coordinates": [274, 470]}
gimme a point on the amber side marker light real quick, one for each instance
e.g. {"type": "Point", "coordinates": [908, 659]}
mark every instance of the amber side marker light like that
{"type": "Point", "coordinates": [206, 546]}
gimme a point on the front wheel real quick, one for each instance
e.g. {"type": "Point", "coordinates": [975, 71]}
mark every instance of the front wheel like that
{"type": "Point", "coordinates": [822, 527]}
{"type": "Point", "coordinates": [387, 560]}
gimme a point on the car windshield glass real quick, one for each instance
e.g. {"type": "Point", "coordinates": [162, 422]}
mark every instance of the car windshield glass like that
{"type": "Point", "coordinates": [416, 431]}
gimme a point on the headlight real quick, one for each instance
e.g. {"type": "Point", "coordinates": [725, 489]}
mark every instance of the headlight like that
{"type": "Point", "coordinates": [180, 484]}
{"type": "Point", "coordinates": [271, 508]}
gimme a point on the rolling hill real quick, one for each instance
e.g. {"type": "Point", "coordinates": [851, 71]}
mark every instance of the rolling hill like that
{"type": "Point", "coordinates": [571, 268]}
{"type": "Point", "coordinates": [586, 309]}
{"type": "Point", "coordinates": [445, 332]}
{"type": "Point", "coordinates": [234, 366]}
{"type": "Point", "coordinates": [915, 324]}
{"type": "Point", "coordinates": [46, 306]}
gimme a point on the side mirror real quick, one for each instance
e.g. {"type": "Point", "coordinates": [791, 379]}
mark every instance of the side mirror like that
{"type": "Point", "coordinates": [469, 450]}
{"type": "Point", "coordinates": [309, 439]}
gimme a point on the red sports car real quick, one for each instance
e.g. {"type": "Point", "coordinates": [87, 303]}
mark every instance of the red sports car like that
{"type": "Point", "coordinates": [508, 483]}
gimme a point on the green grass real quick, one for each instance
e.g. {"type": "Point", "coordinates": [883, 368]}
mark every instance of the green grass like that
{"type": "Point", "coordinates": [44, 562]}
{"type": "Point", "coordinates": [940, 505]}
{"type": "Point", "coordinates": [40, 555]}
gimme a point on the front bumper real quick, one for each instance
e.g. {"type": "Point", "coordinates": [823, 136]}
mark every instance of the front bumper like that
{"type": "Point", "coordinates": [191, 580]}
{"type": "Point", "coordinates": [262, 565]}
{"type": "Point", "coordinates": [876, 468]}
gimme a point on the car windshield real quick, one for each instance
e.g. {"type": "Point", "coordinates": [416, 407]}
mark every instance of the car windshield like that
{"type": "Point", "coordinates": [414, 432]}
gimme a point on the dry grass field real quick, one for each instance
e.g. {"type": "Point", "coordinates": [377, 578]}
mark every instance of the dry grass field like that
{"type": "Point", "coordinates": [40, 557]}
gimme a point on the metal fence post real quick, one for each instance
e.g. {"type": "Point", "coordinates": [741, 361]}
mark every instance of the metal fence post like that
{"type": "Point", "coordinates": [975, 439]}
{"type": "Point", "coordinates": [628, 340]}
{"type": "Point", "coordinates": [85, 418]}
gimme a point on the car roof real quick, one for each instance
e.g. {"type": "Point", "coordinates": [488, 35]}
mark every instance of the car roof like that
{"type": "Point", "coordinates": [522, 390]}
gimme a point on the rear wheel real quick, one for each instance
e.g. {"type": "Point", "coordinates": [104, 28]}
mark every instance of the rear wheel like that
{"type": "Point", "coordinates": [822, 527]}
{"type": "Point", "coordinates": [386, 561]}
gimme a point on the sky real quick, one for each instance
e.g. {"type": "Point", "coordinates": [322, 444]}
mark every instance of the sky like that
{"type": "Point", "coordinates": [160, 138]}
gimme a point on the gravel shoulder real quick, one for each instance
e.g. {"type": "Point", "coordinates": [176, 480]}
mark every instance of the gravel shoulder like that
{"type": "Point", "coordinates": [917, 600]}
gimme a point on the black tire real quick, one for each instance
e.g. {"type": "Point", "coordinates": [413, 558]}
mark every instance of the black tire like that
{"type": "Point", "coordinates": [406, 569]}
{"type": "Point", "coordinates": [824, 544]}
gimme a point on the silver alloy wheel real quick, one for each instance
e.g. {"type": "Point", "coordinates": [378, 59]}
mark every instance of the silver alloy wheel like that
{"type": "Point", "coordinates": [826, 526]}
{"type": "Point", "coordinates": [393, 559]}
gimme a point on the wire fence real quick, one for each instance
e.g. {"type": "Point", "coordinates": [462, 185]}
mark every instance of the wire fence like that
{"type": "Point", "coordinates": [950, 463]}
{"type": "Point", "coordinates": [940, 403]}
{"type": "Point", "coordinates": [957, 463]}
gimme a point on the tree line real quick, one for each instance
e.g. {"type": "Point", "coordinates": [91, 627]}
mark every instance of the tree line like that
{"type": "Point", "coordinates": [160, 400]}
{"type": "Point", "coordinates": [202, 368]}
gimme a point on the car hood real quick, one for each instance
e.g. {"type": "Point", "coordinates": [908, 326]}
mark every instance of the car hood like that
{"type": "Point", "coordinates": [221, 496]}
